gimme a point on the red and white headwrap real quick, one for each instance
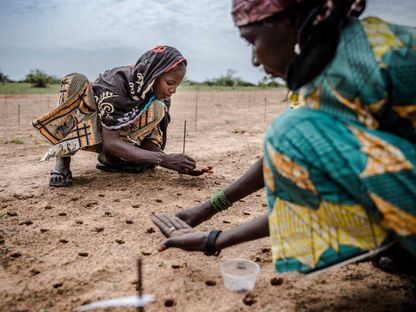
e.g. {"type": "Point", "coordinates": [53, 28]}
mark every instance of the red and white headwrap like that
{"type": "Point", "coordinates": [246, 12]}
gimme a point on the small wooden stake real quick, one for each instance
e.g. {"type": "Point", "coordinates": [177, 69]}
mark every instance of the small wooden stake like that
{"type": "Point", "coordinates": [265, 108]}
{"type": "Point", "coordinates": [196, 112]}
{"type": "Point", "coordinates": [139, 282]}
{"type": "Point", "coordinates": [184, 137]}
{"type": "Point", "coordinates": [18, 116]}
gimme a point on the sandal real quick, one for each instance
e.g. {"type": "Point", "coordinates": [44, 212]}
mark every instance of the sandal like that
{"type": "Point", "coordinates": [60, 179]}
{"type": "Point", "coordinates": [125, 169]}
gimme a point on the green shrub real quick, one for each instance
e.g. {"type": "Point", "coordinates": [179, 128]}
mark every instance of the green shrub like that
{"type": "Point", "coordinates": [39, 79]}
{"type": "Point", "coordinates": [3, 78]}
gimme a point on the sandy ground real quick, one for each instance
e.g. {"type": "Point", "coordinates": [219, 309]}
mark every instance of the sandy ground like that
{"type": "Point", "coordinates": [60, 248]}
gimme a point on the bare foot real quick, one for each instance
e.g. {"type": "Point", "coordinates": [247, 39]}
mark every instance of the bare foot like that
{"type": "Point", "coordinates": [61, 175]}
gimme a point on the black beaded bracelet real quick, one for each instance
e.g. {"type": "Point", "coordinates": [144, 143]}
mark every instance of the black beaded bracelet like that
{"type": "Point", "coordinates": [210, 243]}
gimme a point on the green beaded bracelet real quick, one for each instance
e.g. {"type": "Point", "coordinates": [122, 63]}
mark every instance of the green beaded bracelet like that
{"type": "Point", "coordinates": [219, 201]}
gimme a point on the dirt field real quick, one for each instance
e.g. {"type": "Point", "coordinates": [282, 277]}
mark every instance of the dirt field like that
{"type": "Point", "coordinates": [60, 248]}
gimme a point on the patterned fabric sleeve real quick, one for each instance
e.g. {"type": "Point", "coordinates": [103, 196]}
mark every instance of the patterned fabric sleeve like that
{"type": "Point", "coordinates": [156, 136]}
{"type": "Point", "coordinates": [399, 63]}
{"type": "Point", "coordinates": [147, 126]}
{"type": "Point", "coordinates": [372, 79]}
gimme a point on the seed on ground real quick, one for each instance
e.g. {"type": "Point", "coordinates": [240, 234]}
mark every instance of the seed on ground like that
{"type": "Point", "coordinates": [64, 241]}
{"type": "Point", "coordinates": [276, 281]}
{"type": "Point", "coordinates": [169, 303]}
{"type": "Point", "coordinates": [83, 254]}
{"type": "Point", "coordinates": [34, 272]}
{"type": "Point", "coordinates": [210, 283]}
{"type": "Point", "coordinates": [120, 241]}
{"type": "Point", "coordinates": [249, 300]}
{"type": "Point", "coordinates": [62, 214]}
{"type": "Point", "coordinates": [57, 285]}
{"type": "Point", "coordinates": [129, 222]}
{"type": "Point", "coordinates": [16, 255]}
{"type": "Point", "coordinates": [11, 213]}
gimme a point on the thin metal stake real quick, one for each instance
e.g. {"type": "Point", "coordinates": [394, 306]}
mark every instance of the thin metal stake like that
{"type": "Point", "coordinates": [196, 112]}
{"type": "Point", "coordinates": [139, 282]}
{"type": "Point", "coordinates": [18, 116]}
{"type": "Point", "coordinates": [184, 137]}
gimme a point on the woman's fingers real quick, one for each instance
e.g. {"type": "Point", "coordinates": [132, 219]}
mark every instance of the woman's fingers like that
{"type": "Point", "coordinates": [199, 171]}
{"type": "Point", "coordinates": [183, 224]}
{"type": "Point", "coordinates": [178, 223]}
{"type": "Point", "coordinates": [164, 224]}
{"type": "Point", "coordinates": [170, 225]}
{"type": "Point", "coordinates": [162, 227]}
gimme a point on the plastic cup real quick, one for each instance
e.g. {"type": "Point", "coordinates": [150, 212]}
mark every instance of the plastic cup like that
{"type": "Point", "coordinates": [239, 274]}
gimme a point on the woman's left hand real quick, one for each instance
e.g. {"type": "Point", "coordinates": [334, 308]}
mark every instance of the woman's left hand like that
{"type": "Point", "coordinates": [197, 171]}
{"type": "Point", "coordinates": [180, 235]}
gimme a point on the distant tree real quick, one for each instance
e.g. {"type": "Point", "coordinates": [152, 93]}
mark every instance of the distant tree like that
{"type": "Point", "coordinates": [228, 80]}
{"type": "Point", "coordinates": [38, 78]}
{"type": "Point", "coordinates": [3, 78]}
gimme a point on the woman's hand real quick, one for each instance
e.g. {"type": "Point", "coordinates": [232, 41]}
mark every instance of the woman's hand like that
{"type": "Point", "coordinates": [180, 235]}
{"type": "Point", "coordinates": [194, 241]}
{"type": "Point", "coordinates": [183, 164]}
{"type": "Point", "coordinates": [198, 214]}
{"type": "Point", "coordinates": [169, 225]}
{"type": "Point", "coordinates": [197, 171]}
{"type": "Point", "coordinates": [178, 162]}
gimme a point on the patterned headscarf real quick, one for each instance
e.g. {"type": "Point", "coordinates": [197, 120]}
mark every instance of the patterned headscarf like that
{"type": "Point", "coordinates": [246, 12]}
{"type": "Point", "coordinates": [122, 92]}
{"type": "Point", "coordinates": [318, 34]}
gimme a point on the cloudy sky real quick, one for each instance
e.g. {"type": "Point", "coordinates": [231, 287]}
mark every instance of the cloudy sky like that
{"type": "Point", "coordinates": [91, 36]}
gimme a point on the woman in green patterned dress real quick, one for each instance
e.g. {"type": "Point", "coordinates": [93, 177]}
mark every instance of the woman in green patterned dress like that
{"type": "Point", "coordinates": [339, 169]}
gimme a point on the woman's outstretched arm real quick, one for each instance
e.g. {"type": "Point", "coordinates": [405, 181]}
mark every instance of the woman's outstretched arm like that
{"type": "Point", "coordinates": [180, 235]}
{"type": "Point", "coordinates": [250, 182]}
{"type": "Point", "coordinates": [115, 146]}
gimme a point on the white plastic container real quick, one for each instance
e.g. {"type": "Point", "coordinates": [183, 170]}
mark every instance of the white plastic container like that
{"type": "Point", "coordinates": [239, 274]}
